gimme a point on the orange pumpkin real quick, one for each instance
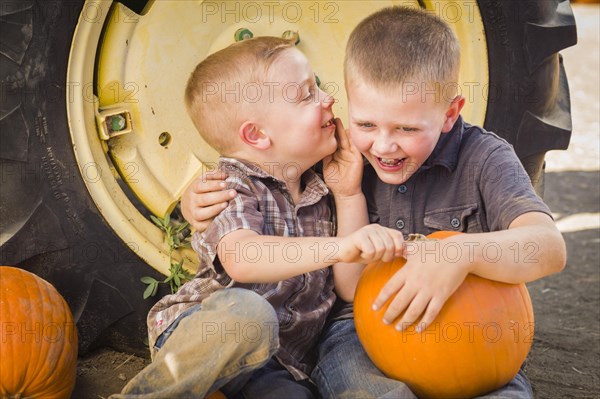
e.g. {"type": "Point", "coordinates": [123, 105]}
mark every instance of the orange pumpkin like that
{"type": "Point", "coordinates": [38, 339]}
{"type": "Point", "coordinates": [475, 345]}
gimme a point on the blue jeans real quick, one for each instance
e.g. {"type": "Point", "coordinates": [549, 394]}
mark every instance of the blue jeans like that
{"type": "Point", "coordinates": [217, 345]}
{"type": "Point", "coordinates": [272, 381]}
{"type": "Point", "coordinates": [345, 371]}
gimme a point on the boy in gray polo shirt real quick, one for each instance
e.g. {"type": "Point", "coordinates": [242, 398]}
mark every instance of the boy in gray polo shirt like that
{"type": "Point", "coordinates": [273, 239]}
{"type": "Point", "coordinates": [427, 170]}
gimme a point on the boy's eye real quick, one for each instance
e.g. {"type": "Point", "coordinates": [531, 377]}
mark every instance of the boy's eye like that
{"type": "Point", "coordinates": [365, 125]}
{"type": "Point", "coordinates": [309, 96]}
{"type": "Point", "coordinates": [408, 129]}
{"type": "Point", "coordinates": [312, 90]}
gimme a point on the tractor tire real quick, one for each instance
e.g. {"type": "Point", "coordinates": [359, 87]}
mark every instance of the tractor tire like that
{"type": "Point", "coordinates": [529, 103]}
{"type": "Point", "coordinates": [54, 228]}
{"type": "Point", "coordinates": [51, 226]}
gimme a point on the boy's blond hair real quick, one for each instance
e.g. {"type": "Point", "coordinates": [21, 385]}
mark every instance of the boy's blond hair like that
{"type": "Point", "coordinates": [398, 46]}
{"type": "Point", "coordinates": [222, 86]}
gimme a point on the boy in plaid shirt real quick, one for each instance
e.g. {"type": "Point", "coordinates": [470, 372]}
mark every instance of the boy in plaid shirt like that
{"type": "Point", "coordinates": [249, 321]}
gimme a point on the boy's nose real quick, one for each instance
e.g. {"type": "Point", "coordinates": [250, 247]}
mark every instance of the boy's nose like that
{"type": "Point", "coordinates": [326, 100]}
{"type": "Point", "coordinates": [383, 145]}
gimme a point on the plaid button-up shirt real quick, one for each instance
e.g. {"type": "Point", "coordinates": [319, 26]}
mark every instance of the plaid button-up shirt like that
{"type": "Point", "coordinates": [264, 205]}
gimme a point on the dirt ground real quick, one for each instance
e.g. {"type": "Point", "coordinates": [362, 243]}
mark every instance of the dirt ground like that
{"type": "Point", "coordinates": [565, 357]}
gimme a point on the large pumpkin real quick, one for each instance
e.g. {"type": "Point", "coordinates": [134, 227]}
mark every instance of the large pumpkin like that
{"type": "Point", "coordinates": [475, 345]}
{"type": "Point", "coordinates": [38, 339]}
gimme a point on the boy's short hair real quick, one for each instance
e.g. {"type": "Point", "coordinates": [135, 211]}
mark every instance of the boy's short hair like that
{"type": "Point", "coordinates": [399, 45]}
{"type": "Point", "coordinates": [222, 86]}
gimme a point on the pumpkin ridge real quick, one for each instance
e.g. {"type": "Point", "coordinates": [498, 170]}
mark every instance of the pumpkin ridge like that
{"type": "Point", "coordinates": [7, 289]}
{"type": "Point", "coordinates": [52, 383]}
{"type": "Point", "coordinates": [474, 307]}
{"type": "Point", "coordinates": [22, 378]}
{"type": "Point", "coordinates": [494, 353]}
{"type": "Point", "coordinates": [527, 304]}
{"type": "Point", "coordinates": [4, 317]}
{"type": "Point", "coordinates": [47, 378]}
{"type": "Point", "coordinates": [524, 313]}
{"type": "Point", "coordinates": [33, 369]}
{"type": "Point", "coordinates": [61, 385]}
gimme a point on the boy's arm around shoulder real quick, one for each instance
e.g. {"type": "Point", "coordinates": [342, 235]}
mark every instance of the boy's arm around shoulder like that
{"type": "Point", "coordinates": [531, 248]}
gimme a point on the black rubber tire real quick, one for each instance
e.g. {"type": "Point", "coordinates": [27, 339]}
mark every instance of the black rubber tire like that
{"type": "Point", "coordinates": [59, 234]}
{"type": "Point", "coordinates": [528, 102]}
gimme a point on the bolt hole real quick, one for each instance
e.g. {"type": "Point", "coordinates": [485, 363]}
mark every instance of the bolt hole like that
{"type": "Point", "coordinates": [164, 139]}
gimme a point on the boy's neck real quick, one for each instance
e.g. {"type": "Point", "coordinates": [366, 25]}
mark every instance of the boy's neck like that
{"type": "Point", "coordinates": [291, 176]}
{"type": "Point", "coordinates": [295, 189]}
{"type": "Point", "coordinates": [289, 172]}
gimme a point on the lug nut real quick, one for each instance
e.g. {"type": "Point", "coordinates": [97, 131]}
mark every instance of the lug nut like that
{"type": "Point", "coordinates": [242, 34]}
{"type": "Point", "coordinates": [291, 36]}
{"type": "Point", "coordinates": [117, 123]}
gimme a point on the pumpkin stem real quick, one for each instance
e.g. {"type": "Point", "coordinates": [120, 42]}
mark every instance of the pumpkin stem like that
{"type": "Point", "coordinates": [419, 237]}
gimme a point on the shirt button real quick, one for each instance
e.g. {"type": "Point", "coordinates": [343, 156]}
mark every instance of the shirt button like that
{"type": "Point", "coordinates": [400, 223]}
{"type": "Point", "coordinates": [402, 189]}
{"type": "Point", "coordinates": [455, 223]}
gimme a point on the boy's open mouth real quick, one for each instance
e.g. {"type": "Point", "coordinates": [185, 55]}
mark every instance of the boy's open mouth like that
{"type": "Point", "coordinates": [389, 162]}
{"type": "Point", "coordinates": [328, 123]}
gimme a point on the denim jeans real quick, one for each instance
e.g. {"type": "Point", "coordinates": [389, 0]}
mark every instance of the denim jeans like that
{"type": "Point", "coordinates": [217, 345]}
{"type": "Point", "coordinates": [192, 363]}
{"type": "Point", "coordinates": [272, 381]}
{"type": "Point", "coordinates": [345, 371]}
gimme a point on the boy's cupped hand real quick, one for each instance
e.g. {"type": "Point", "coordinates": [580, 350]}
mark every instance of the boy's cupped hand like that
{"type": "Point", "coordinates": [342, 170]}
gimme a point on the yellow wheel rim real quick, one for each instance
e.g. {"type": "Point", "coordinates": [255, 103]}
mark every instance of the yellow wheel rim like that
{"type": "Point", "coordinates": [131, 134]}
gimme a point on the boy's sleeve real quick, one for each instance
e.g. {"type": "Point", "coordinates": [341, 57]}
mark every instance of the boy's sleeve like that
{"type": "Point", "coordinates": [243, 212]}
{"type": "Point", "coordinates": [506, 189]}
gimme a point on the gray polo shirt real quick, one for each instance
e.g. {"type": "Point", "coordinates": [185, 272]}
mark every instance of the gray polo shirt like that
{"type": "Point", "coordinates": [472, 182]}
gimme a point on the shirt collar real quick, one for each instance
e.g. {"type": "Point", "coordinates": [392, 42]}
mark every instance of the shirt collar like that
{"type": "Point", "coordinates": [446, 150]}
{"type": "Point", "coordinates": [314, 187]}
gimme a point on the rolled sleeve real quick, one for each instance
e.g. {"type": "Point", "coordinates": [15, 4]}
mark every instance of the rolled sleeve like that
{"type": "Point", "coordinates": [506, 189]}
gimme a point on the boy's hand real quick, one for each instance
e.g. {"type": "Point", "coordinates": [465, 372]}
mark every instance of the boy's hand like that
{"type": "Point", "coordinates": [371, 243]}
{"type": "Point", "coordinates": [205, 198]}
{"type": "Point", "coordinates": [342, 171]}
{"type": "Point", "coordinates": [421, 287]}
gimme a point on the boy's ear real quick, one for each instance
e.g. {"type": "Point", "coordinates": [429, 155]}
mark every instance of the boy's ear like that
{"type": "Point", "coordinates": [452, 113]}
{"type": "Point", "coordinates": [253, 136]}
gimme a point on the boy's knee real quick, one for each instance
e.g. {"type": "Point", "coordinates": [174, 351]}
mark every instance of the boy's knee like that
{"type": "Point", "coordinates": [252, 300]}
{"type": "Point", "coordinates": [245, 306]}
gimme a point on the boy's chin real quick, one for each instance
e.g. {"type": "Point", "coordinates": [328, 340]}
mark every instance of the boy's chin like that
{"type": "Point", "coordinates": [330, 149]}
{"type": "Point", "coordinates": [391, 178]}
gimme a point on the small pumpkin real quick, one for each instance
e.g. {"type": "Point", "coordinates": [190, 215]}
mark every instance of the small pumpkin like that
{"type": "Point", "coordinates": [475, 345]}
{"type": "Point", "coordinates": [38, 339]}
